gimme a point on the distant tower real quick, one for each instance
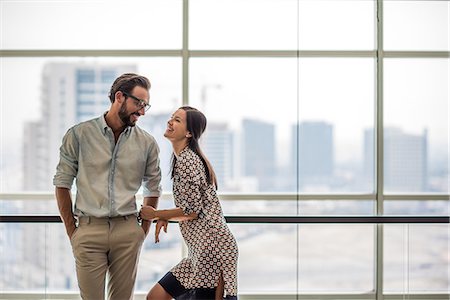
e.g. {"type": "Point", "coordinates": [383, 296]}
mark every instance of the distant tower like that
{"type": "Point", "coordinates": [315, 155]}
{"type": "Point", "coordinates": [71, 93]}
{"type": "Point", "coordinates": [259, 152]}
{"type": "Point", "coordinates": [405, 161]}
{"type": "Point", "coordinates": [218, 145]}
{"type": "Point", "coordinates": [368, 180]}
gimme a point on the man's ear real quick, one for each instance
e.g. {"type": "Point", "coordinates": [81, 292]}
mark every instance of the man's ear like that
{"type": "Point", "coordinates": [119, 97]}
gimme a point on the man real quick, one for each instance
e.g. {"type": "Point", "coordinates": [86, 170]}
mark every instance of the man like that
{"type": "Point", "coordinates": [111, 158]}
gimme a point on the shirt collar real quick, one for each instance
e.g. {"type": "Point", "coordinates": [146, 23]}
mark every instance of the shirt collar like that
{"type": "Point", "coordinates": [104, 126]}
{"type": "Point", "coordinates": [102, 123]}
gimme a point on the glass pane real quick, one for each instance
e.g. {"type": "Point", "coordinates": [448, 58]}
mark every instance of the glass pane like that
{"type": "Point", "coordinates": [30, 206]}
{"type": "Point", "coordinates": [336, 108]}
{"type": "Point", "coordinates": [417, 207]}
{"type": "Point", "coordinates": [56, 98]}
{"type": "Point", "coordinates": [102, 24]}
{"type": "Point", "coordinates": [228, 24]}
{"type": "Point", "coordinates": [36, 258]}
{"type": "Point", "coordinates": [255, 107]}
{"type": "Point", "coordinates": [416, 259]}
{"type": "Point", "coordinates": [416, 25]}
{"type": "Point", "coordinates": [258, 207]}
{"type": "Point", "coordinates": [262, 268]}
{"type": "Point", "coordinates": [304, 207]}
{"type": "Point", "coordinates": [336, 25]}
{"type": "Point", "coordinates": [336, 207]}
{"type": "Point", "coordinates": [282, 25]}
{"type": "Point", "coordinates": [416, 116]}
{"type": "Point", "coordinates": [336, 258]}
{"type": "Point", "coordinates": [258, 107]}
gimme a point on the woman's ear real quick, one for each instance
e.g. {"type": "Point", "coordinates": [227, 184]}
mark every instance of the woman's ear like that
{"type": "Point", "coordinates": [188, 135]}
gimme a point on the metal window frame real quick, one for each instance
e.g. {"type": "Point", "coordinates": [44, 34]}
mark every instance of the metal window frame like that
{"type": "Point", "coordinates": [378, 196]}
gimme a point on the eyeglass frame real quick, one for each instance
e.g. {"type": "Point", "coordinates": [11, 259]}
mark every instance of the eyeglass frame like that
{"type": "Point", "coordinates": [141, 103]}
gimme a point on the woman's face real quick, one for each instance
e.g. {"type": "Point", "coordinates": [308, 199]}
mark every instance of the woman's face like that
{"type": "Point", "coordinates": [177, 127]}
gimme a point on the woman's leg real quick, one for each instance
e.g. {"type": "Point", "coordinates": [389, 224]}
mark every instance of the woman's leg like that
{"type": "Point", "coordinates": [158, 293]}
{"type": "Point", "coordinates": [220, 288]}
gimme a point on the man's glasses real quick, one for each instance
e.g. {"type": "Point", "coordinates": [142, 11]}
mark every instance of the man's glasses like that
{"type": "Point", "coordinates": [138, 102]}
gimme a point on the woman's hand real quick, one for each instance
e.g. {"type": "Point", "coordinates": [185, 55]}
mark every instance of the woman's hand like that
{"type": "Point", "coordinates": [148, 213]}
{"type": "Point", "coordinates": [160, 224]}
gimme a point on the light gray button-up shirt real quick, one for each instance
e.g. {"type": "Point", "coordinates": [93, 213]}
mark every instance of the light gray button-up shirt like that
{"type": "Point", "coordinates": [108, 174]}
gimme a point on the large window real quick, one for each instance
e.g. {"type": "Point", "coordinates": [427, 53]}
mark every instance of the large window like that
{"type": "Point", "coordinates": [315, 107]}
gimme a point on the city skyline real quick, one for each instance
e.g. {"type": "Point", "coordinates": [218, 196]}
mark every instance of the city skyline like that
{"type": "Point", "coordinates": [71, 113]}
{"type": "Point", "coordinates": [246, 159]}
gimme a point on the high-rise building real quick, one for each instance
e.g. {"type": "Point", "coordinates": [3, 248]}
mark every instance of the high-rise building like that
{"type": "Point", "coordinates": [315, 155]}
{"type": "Point", "coordinates": [368, 178]}
{"type": "Point", "coordinates": [258, 159]}
{"type": "Point", "coordinates": [405, 160]}
{"type": "Point", "coordinates": [218, 146]}
{"type": "Point", "coordinates": [71, 93]}
{"type": "Point", "coordinates": [35, 158]}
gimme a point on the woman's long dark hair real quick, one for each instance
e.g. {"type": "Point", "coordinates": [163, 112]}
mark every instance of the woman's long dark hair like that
{"type": "Point", "coordinates": [196, 125]}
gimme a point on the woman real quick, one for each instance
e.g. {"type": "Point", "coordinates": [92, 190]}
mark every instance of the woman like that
{"type": "Point", "coordinates": [210, 270]}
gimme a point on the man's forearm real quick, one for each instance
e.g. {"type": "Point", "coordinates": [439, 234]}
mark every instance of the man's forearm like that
{"type": "Point", "coordinates": [64, 200]}
{"type": "Point", "coordinates": [149, 201]}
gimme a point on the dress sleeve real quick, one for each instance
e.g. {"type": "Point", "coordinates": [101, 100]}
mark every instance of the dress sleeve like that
{"type": "Point", "coordinates": [191, 191]}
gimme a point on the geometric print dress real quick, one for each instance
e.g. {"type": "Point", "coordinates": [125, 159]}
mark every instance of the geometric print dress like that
{"type": "Point", "coordinates": [212, 249]}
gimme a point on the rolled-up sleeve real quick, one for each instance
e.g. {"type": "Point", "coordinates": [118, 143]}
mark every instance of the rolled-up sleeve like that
{"type": "Point", "coordinates": [190, 198]}
{"type": "Point", "coordinates": [67, 167]}
{"type": "Point", "coordinates": [151, 181]}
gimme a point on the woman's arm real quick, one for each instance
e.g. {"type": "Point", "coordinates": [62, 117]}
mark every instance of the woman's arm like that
{"type": "Point", "coordinates": [171, 214]}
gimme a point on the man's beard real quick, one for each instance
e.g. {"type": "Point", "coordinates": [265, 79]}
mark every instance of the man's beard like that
{"type": "Point", "coordinates": [126, 117]}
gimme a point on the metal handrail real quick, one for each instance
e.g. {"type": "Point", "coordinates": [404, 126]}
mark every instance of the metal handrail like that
{"type": "Point", "coordinates": [272, 219]}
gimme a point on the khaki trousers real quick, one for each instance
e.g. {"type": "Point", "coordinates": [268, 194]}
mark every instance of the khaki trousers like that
{"type": "Point", "coordinates": [107, 246]}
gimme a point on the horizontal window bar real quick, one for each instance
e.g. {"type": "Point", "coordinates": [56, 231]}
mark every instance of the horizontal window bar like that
{"type": "Point", "coordinates": [64, 53]}
{"type": "Point", "coordinates": [225, 53]}
{"type": "Point", "coordinates": [259, 196]}
{"type": "Point", "coordinates": [281, 53]}
{"type": "Point", "coordinates": [416, 54]}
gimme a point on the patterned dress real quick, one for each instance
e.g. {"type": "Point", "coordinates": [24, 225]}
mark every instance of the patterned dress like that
{"type": "Point", "coordinates": [212, 247]}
